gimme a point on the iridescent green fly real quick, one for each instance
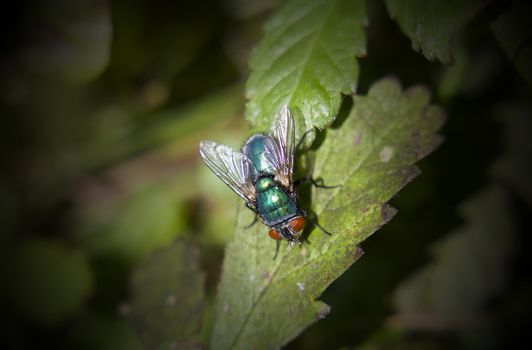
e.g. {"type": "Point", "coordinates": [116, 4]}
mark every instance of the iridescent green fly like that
{"type": "Point", "coordinates": [262, 175]}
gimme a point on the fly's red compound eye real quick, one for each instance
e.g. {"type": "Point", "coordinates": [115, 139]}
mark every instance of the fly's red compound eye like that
{"type": "Point", "coordinates": [274, 234]}
{"type": "Point", "coordinates": [297, 224]}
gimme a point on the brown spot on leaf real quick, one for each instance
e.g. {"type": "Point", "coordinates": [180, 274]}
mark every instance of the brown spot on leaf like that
{"type": "Point", "coordinates": [170, 300]}
{"type": "Point", "coordinates": [357, 138]}
{"type": "Point", "coordinates": [387, 212]}
{"type": "Point", "coordinates": [124, 309]}
{"type": "Point", "coordinates": [412, 173]}
{"type": "Point", "coordinates": [358, 252]}
{"type": "Point", "coordinates": [266, 275]}
{"type": "Point", "coordinates": [416, 142]}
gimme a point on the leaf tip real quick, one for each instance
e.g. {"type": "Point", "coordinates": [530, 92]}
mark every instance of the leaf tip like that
{"type": "Point", "coordinates": [358, 252]}
{"type": "Point", "coordinates": [436, 116]}
{"type": "Point", "coordinates": [413, 172]}
{"type": "Point", "coordinates": [418, 92]}
{"type": "Point", "coordinates": [390, 84]}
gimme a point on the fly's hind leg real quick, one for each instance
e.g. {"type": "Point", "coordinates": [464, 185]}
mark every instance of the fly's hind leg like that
{"type": "Point", "coordinates": [314, 221]}
{"type": "Point", "coordinates": [277, 244]}
{"type": "Point", "coordinates": [313, 182]}
{"type": "Point", "coordinates": [302, 139]}
{"type": "Point", "coordinates": [288, 245]}
{"type": "Point", "coordinates": [254, 219]}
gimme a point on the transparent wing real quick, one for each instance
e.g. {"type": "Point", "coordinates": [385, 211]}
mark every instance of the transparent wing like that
{"type": "Point", "coordinates": [231, 167]}
{"type": "Point", "coordinates": [282, 131]}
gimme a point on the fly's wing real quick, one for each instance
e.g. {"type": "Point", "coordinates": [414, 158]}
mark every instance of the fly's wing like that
{"type": "Point", "coordinates": [282, 132]}
{"type": "Point", "coordinates": [231, 167]}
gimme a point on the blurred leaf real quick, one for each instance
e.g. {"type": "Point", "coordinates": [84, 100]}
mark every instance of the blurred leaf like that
{"type": "Point", "coordinates": [514, 167]}
{"type": "Point", "coordinates": [45, 281]}
{"type": "Point", "coordinates": [453, 77]}
{"type": "Point", "coordinates": [73, 42]}
{"type": "Point", "coordinates": [432, 24]}
{"type": "Point", "coordinates": [144, 221]}
{"type": "Point", "coordinates": [306, 60]}
{"type": "Point", "coordinates": [469, 269]}
{"type": "Point", "coordinates": [9, 214]}
{"type": "Point", "coordinates": [248, 8]}
{"type": "Point", "coordinates": [167, 304]}
{"type": "Point", "coordinates": [513, 31]}
{"type": "Point", "coordinates": [389, 339]}
{"type": "Point", "coordinates": [470, 74]}
{"type": "Point", "coordinates": [93, 331]}
{"type": "Point", "coordinates": [264, 303]}
{"type": "Point", "coordinates": [171, 126]}
{"type": "Point", "coordinates": [158, 39]}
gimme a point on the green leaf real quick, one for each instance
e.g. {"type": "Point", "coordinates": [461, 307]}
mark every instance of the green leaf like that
{"type": "Point", "coordinates": [45, 281]}
{"type": "Point", "coordinates": [306, 60]}
{"type": "Point", "coordinates": [513, 31]}
{"type": "Point", "coordinates": [264, 303]}
{"type": "Point", "coordinates": [167, 305]}
{"type": "Point", "coordinates": [431, 24]}
{"type": "Point", "coordinates": [469, 269]}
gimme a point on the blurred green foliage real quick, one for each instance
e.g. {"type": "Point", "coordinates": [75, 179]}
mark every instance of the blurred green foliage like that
{"type": "Point", "coordinates": [167, 299]}
{"type": "Point", "coordinates": [103, 104]}
{"type": "Point", "coordinates": [469, 268]}
{"type": "Point", "coordinates": [432, 24]}
{"type": "Point", "coordinates": [45, 281]}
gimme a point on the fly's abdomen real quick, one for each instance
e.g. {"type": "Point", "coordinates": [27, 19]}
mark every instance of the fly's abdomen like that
{"type": "Point", "coordinates": [273, 202]}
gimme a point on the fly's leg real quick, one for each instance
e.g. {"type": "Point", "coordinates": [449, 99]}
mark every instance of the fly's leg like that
{"type": "Point", "coordinates": [298, 147]}
{"type": "Point", "coordinates": [255, 219]}
{"type": "Point", "coordinates": [288, 245]}
{"type": "Point", "coordinates": [277, 243]}
{"type": "Point", "coordinates": [312, 218]}
{"type": "Point", "coordinates": [313, 182]}
{"type": "Point", "coordinates": [315, 223]}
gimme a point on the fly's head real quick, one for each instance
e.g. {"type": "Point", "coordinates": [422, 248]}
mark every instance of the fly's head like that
{"type": "Point", "coordinates": [289, 230]}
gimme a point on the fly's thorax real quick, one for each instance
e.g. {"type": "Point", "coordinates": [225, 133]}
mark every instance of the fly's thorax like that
{"type": "Point", "coordinates": [257, 149]}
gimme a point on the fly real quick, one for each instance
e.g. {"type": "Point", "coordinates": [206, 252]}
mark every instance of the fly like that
{"type": "Point", "coordinates": [262, 175]}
